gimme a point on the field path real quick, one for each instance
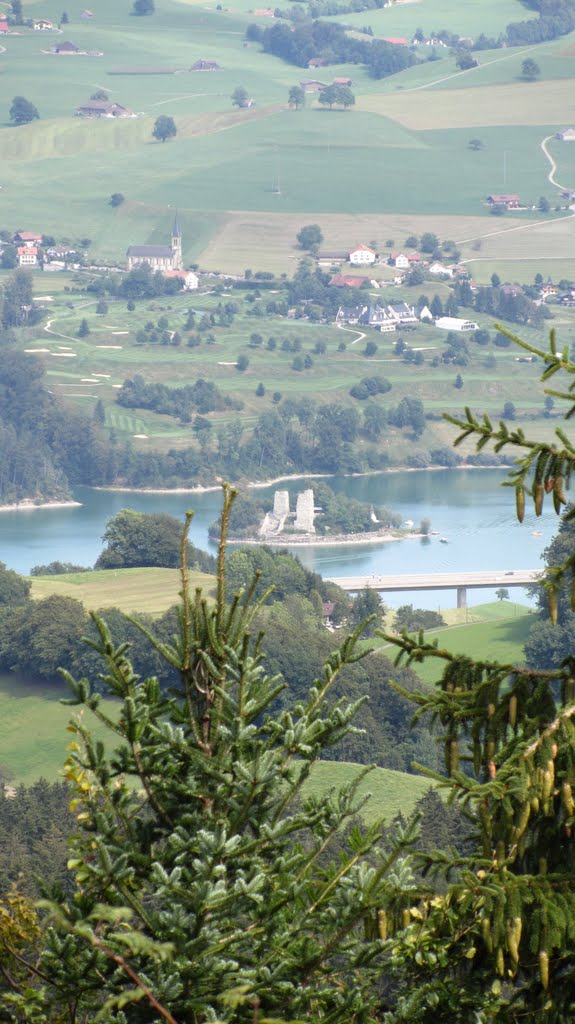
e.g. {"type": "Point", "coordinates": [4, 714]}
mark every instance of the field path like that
{"type": "Point", "coordinates": [57, 334]}
{"type": "Point", "coordinates": [349, 330]}
{"type": "Point", "coordinates": [468, 71]}
{"type": "Point", "coordinates": [551, 175]}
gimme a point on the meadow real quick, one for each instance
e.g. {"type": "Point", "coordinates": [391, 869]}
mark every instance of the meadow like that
{"type": "Point", "coordinates": [85, 370]}
{"type": "Point", "coordinates": [499, 632]}
{"type": "Point", "coordinates": [36, 711]}
{"type": "Point", "coordinates": [242, 179]}
{"type": "Point", "coordinates": [149, 591]}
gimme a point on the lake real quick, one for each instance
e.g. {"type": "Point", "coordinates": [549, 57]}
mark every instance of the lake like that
{"type": "Point", "coordinates": [469, 508]}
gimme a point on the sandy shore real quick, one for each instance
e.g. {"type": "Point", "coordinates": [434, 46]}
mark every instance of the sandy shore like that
{"type": "Point", "coordinates": [26, 506]}
{"type": "Point", "coordinates": [338, 539]}
{"type": "Point", "coordinates": [254, 484]}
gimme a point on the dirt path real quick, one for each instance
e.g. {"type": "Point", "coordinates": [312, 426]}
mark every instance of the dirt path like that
{"type": "Point", "coordinates": [57, 334]}
{"type": "Point", "coordinates": [551, 175]}
{"type": "Point", "coordinates": [349, 330]}
{"type": "Point", "coordinates": [469, 71]}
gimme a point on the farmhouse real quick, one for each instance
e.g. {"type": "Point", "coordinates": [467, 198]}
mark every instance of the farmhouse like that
{"type": "Point", "coordinates": [396, 40]}
{"type": "Point", "coordinates": [402, 313]}
{"type": "Point", "coordinates": [311, 85]}
{"type": "Point", "coordinates": [401, 261]}
{"type": "Point", "coordinates": [342, 81]}
{"type": "Point", "coordinates": [27, 255]}
{"type": "Point", "coordinates": [362, 255]}
{"type": "Point", "coordinates": [346, 281]}
{"type": "Point", "coordinates": [191, 280]}
{"type": "Point", "coordinates": [158, 257]}
{"type": "Point", "coordinates": [102, 108]}
{"type": "Point", "coordinates": [42, 25]}
{"type": "Point", "coordinates": [264, 12]}
{"type": "Point", "coordinates": [28, 238]}
{"type": "Point", "coordinates": [567, 135]}
{"type": "Point", "coordinates": [4, 27]}
{"type": "Point", "coordinates": [205, 65]}
{"type": "Point", "coordinates": [65, 48]}
{"type": "Point", "coordinates": [438, 268]}
{"type": "Point", "coordinates": [511, 202]}
{"type": "Point", "coordinates": [316, 62]}
{"type": "Point", "coordinates": [332, 254]}
{"type": "Point", "coordinates": [454, 323]}
{"type": "Point", "coordinates": [86, 15]}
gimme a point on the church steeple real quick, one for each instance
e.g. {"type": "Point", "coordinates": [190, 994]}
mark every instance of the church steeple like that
{"type": "Point", "coordinates": [177, 245]}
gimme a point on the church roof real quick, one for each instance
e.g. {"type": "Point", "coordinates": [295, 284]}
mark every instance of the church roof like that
{"type": "Point", "coordinates": [150, 251]}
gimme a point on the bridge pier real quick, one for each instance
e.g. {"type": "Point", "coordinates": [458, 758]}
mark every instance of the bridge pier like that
{"type": "Point", "coordinates": [462, 597]}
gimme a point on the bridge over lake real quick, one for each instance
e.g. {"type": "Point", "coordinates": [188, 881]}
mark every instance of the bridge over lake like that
{"type": "Point", "coordinates": [459, 581]}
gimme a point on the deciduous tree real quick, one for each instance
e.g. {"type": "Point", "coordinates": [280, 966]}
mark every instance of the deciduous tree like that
{"type": "Point", "coordinates": [23, 111]}
{"type": "Point", "coordinates": [164, 128]}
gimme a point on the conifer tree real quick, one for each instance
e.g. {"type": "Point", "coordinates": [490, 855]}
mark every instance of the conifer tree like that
{"type": "Point", "coordinates": [206, 889]}
{"type": "Point", "coordinates": [500, 944]}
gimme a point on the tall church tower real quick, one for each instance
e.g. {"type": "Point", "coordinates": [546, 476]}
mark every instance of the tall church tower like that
{"type": "Point", "coordinates": [177, 262]}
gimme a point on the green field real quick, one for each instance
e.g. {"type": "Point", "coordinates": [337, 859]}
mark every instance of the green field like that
{"type": "Point", "coordinates": [150, 591]}
{"type": "Point", "coordinates": [391, 793]}
{"type": "Point", "coordinates": [35, 712]}
{"type": "Point", "coordinates": [405, 141]}
{"type": "Point", "coordinates": [92, 368]}
{"type": "Point", "coordinates": [498, 633]}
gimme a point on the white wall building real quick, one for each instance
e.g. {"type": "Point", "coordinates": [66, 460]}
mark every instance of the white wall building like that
{"type": "Point", "coordinates": [362, 255]}
{"type": "Point", "coordinates": [454, 323]}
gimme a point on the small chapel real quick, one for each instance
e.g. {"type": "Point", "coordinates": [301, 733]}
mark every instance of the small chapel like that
{"type": "Point", "coordinates": [158, 257]}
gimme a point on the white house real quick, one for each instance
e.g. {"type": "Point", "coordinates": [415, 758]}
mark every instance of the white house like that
{"type": "Point", "coordinates": [401, 261]}
{"type": "Point", "coordinates": [27, 256]}
{"type": "Point", "coordinates": [567, 135]}
{"type": "Point", "coordinates": [362, 255]}
{"type": "Point", "coordinates": [191, 280]}
{"type": "Point", "coordinates": [426, 314]}
{"type": "Point", "coordinates": [402, 313]}
{"type": "Point", "coordinates": [454, 323]}
{"type": "Point", "coordinates": [438, 268]}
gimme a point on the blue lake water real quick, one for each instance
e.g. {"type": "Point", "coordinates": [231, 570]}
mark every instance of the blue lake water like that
{"type": "Point", "coordinates": [469, 508]}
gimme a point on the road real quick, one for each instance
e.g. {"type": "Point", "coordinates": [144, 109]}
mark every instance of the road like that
{"type": "Point", "coordinates": [439, 581]}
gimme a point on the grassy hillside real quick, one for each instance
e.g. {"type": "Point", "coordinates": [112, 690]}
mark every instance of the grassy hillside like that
{"type": "Point", "coordinates": [499, 633]}
{"type": "Point", "coordinates": [33, 741]}
{"type": "Point", "coordinates": [149, 591]}
{"type": "Point", "coordinates": [225, 162]}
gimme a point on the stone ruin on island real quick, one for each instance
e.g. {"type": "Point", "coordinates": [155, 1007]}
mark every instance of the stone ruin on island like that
{"type": "Point", "coordinates": [282, 521]}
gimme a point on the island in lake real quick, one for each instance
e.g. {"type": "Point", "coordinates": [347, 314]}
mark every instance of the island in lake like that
{"type": "Point", "coordinates": [317, 516]}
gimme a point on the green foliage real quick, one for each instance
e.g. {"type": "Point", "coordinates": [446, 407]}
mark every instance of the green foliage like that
{"type": "Point", "coordinates": [22, 111]}
{"type": "Point", "coordinates": [310, 237]}
{"type": "Point", "coordinates": [499, 943]}
{"type": "Point", "coordinates": [154, 539]}
{"type": "Point", "coordinates": [143, 7]}
{"type": "Point", "coordinates": [413, 619]}
{"type": "Point", "coordinates": [206, 884]}
{"type": "Point", "coordinates": [14, 589]}
{"type": "Point", "coordinates": [164, 127]}
{"type": "Point", "coordinates": [38, 638]}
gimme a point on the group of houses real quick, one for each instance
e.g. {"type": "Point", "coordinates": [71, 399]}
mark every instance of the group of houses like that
{"type": "Point", "coordinates": [312, 85]}
{"type": "Point", "coordinates": [388, 318]}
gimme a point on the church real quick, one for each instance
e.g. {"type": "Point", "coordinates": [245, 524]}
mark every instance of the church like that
{"type": "Point", "coordinates": [158, 257]}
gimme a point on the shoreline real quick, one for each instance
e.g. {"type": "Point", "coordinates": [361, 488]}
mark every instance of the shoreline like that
{"type": "Point", "coordinates": [319, 540]}
{"type": "Point", "coordinates": [255, 484]}
{"type": "Point", "coordinates": [30, 506]}
{"type": "Point", "coordinates": [26, 504]}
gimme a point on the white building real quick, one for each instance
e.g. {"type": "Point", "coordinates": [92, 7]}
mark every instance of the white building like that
{"type": "Point", "coordinates": [567, 135]}
{"type": "Point", "coordinates": [401, 261]}
{"type": "Point", "coordinates": [454, 323]}
{"type": "Point", "coordinates": [438, 268]}
{"type": "Point", "coordinates": [362, 255]}
{"type": "Point", "coordinates": [27, 256]}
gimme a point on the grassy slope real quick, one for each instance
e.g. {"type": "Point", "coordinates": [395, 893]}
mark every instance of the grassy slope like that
{"type": "Point", "coordinates": [226, 161]}
{"type": "Point", "coordinates": [499, 633]}
{"type": "Point", "coordinates": [149, 591]}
